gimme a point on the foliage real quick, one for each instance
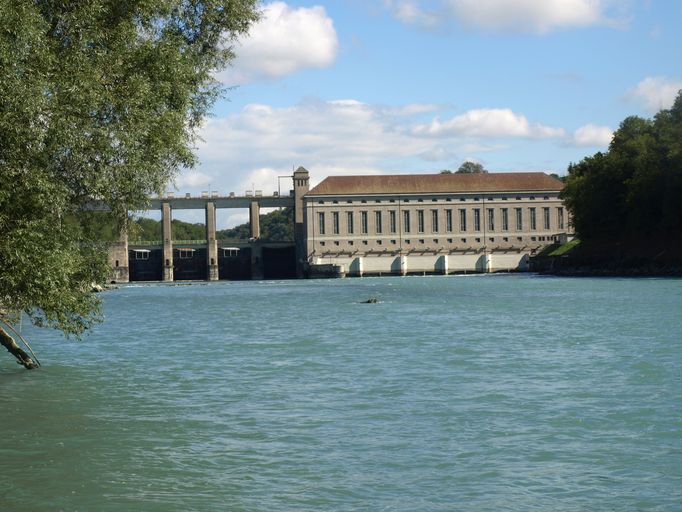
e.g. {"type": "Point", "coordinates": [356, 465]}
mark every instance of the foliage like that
{"type": "Point", "coordinates": [559, 249]}
{"type": "Point", "coordinates": [99, 99]}
{"type": "Point", "coordinates": [634, 189]}
{"type": "Point", "coordinates": [276, 226]}
{"type": "Point", "coordinates": [469, 167]}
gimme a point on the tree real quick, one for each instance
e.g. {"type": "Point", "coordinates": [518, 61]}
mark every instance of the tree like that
{"type": "Point", "coordinates": [275, 226]}
{"type": "Point", "coordinates": [470, 167]}
{"type": "Point", "coordinates": [98, 100]}
{"type": "Point", "coordinates": [633, 190]}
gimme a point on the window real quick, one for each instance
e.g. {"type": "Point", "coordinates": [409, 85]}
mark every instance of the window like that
{"type": "Point", "coordinates": [477, 219]}
{"type": "Point", "coordinates": [377, 222]}
{"type": "Point", "coordinates": [560, 218]}
{"type": "Point", "coordinates": [519, 219]}
{"type": "Point", "coordinates": [505, 219]}
{"type": "Point", "coordinates": [462, 220]}
{"type": "Point", "coordinates": [349, 221]}
{"type": "Point", "coordinates": [363, 222]}
{"type": "Point", "coordinates": [185, 254]}
{"type": "Point", "coordinates": [420, 221]}
{"type": "Point", "coordinates": [491, 219]}
{"type": "Point", "coordinates": [545, 217]}
{"type": "Point", "coordinates": [392, 221]}
{"type": "Point", "coordinates": [335, 223]}
{"type": "Point", "coordinates": [141, 254]}
{"type": "Point", "coordinates": [434, 221]}
{"type": "Point", "coordinates": [321, 222]}
{"type": "Point", "coordinates": [532, 219]}
{"type": "Point", "coordinates": [406, 221]}
{"type": "Point", "coordinates": [448, 221]}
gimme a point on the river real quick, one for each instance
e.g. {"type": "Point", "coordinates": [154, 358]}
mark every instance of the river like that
{"type": "Point", "coordinates": [472, 393]}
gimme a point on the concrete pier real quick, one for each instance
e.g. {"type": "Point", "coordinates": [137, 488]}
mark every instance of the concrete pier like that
{"type": "Point", "coordinates": [254, 219]}
{"type": "Point", "coordinates": [212, 252]}
{"type": "Point", "coordinates": [118, 258]}
{"type": "Point", "coordinates": [167, 242]}
{"type": "Point", "coordinates": [301, 187]}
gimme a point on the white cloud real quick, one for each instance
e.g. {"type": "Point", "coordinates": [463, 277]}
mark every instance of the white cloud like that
{"type": "Point", "coordinates": [535, 16]}
{"type": "Point", "coordinates": [527, 15]}
{"type": "Point", "coordinates": [250, 148]}
{"type": "Point", "coordinates": [488, 122]}
{"type": "Point", "coordinates": [592, 135]}
{"type": "Point", "coordinates": [284, 41]}
{"type": "Point", "coordinates": [656, 93]}
{"type": "Point", "coordinates": [192, 179]}
{"type": "Point", "coordinates": [410, 12]}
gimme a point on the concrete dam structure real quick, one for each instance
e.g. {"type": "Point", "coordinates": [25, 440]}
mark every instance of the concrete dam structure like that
{"type": "Point", "coordinates": [211, 259]}
{"type": "Point", "coordinates": [362, 226]}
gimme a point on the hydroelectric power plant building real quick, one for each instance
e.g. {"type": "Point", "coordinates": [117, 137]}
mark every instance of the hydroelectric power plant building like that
{"type": "Point", "coordinates": [432, 223]}
{"type": "Point", "coordinates": [364, 225]}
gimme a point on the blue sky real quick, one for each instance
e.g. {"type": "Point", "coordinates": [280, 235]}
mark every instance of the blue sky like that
{"type": "Point", "coordinates": [412, 86]}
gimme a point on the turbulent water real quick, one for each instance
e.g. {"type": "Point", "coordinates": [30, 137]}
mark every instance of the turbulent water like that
{"type": "Point", "coordinates": [472, 393]}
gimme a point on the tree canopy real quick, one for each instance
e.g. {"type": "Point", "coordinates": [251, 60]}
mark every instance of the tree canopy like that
{"type": "Point", "coordinates": [99, 99]}
{"type": "Point", "coordinates": [634, 189]}
{"type": "Point", "coordinates": [470, 167]}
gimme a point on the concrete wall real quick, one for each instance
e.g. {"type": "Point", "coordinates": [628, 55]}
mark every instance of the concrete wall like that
{"type": "Point", "coordinates": [439, 242]}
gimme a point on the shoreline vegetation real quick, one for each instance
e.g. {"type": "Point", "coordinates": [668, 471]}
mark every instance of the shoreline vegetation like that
{"type": "Point", "coordinates": [648, 257]}
{"type": "Point", "coordinates": [625, 204]}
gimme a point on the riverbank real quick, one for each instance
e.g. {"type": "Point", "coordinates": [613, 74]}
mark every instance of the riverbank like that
{"type": "Point", "coordinates": [623, 257]}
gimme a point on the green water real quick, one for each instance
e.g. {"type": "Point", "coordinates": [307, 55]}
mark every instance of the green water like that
{"type": "Point", "coordinates": [481, 393]}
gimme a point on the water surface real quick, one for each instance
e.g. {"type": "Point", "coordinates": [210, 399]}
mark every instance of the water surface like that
{"type": "Point", "coordinates": [482, 393]}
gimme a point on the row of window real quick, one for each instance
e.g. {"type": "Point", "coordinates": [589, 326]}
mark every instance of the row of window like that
{"type": "Point", "coordinates": [422, 241]}
{"type": "Point", "coordinates": [407, 222]}
{"type": "Point", "coordinates": [448, 199]}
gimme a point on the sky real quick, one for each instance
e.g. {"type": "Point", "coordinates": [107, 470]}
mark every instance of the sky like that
{"type": "Point", "coordinates": [349, 87]}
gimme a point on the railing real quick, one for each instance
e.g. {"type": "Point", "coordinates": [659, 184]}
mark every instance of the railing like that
{"type": "Point", "coordinates": [221, 241]}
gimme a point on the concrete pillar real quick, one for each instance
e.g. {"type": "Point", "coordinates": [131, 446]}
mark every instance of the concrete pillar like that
{"type": "Point", "coordinates": [254, 219]}
{"type": "Point", "coordinates": [488, 262]}
{"type": "Point", "coordinates": [118, 257]}
{"type": "Point", "coordinates": [212, 249]}
{"type": "Point", "coordinates": [361, 266]}
{"type": "Point", "coordinates": [301, 186]}
{"type": "Point", "coordinates": [403, 264]}
{"type": "Point", "coordinates": [257, 261]}
{"type": "Point", "coordinates": [167, 242]}
{"type": "Point", "coordinates": [444, 264]}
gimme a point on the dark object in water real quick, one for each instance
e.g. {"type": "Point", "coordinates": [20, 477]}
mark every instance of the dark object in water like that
{"type": "Point", "coordinates": [371, 300]}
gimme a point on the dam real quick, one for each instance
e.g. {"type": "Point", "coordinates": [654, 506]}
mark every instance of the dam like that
{"type": "Point", "coordinates": [211, 259]}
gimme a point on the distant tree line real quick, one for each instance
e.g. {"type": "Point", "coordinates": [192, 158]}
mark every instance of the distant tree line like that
{"type": "Point", "coordinates": [633, 190]}
{"type": "Point", "coordinates": [276, 226]}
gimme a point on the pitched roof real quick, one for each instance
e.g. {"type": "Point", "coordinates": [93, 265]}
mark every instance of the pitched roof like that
{"type": "Point", "coordinates": [436, 183]}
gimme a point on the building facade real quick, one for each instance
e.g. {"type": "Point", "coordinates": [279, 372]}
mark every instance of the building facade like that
{"type": "Point", "coordinates": [437, 223]}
